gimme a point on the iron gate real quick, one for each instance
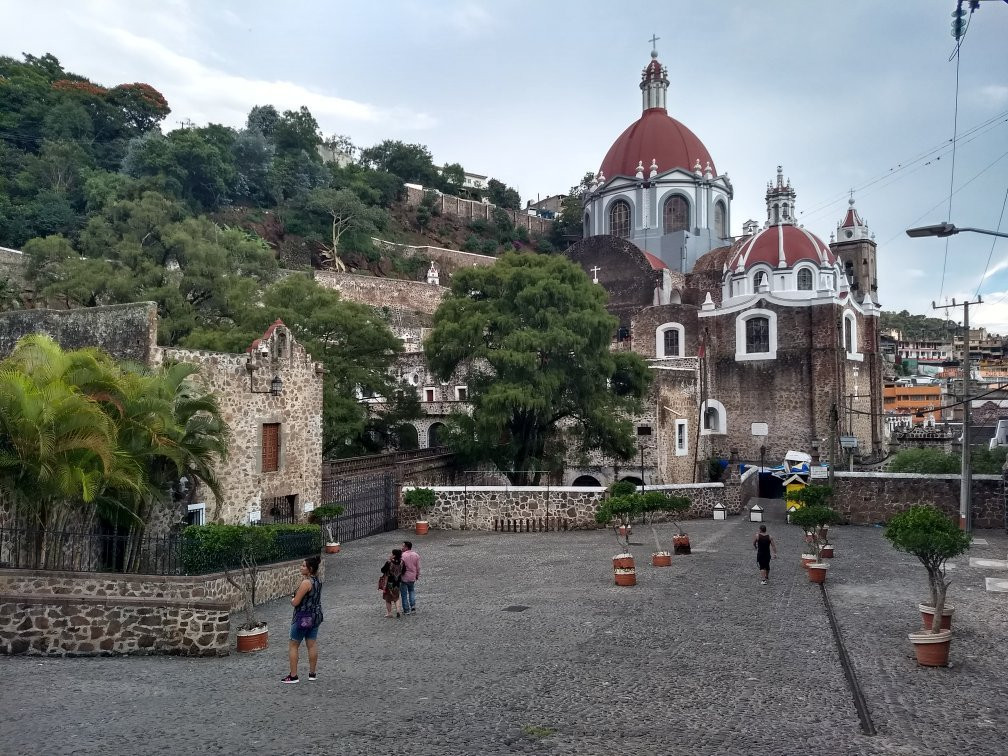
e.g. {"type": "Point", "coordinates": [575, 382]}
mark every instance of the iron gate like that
{"type": "Point", "coordinates": [370, 505]}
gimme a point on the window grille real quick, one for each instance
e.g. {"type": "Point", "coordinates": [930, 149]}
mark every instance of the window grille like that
{"type": "Point", "coordinates": [757, 335]}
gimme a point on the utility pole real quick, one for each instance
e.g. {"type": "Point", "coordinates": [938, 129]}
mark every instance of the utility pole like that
{"type": "Point", "coordinates": [965, 492]}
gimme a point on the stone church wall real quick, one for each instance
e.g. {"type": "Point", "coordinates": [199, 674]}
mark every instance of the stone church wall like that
{"type": "Point", "coordinates": [383, 292]}
{"type": "Point", "coordinates": [868, 498]}
{"type": "Point", "coordinates": [298, 410]}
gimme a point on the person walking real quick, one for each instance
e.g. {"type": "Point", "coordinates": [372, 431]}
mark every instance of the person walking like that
{"type": "Point", "coordinates": [763, 543]}
{"type": "Point", "coordinates": [307, 603]}
{"type": "Point", "coordinates": [390, 581]}
{"type": "Point", "coordinates": [411, 573]}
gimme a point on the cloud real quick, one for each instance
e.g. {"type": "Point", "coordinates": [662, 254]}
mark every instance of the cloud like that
{"type": "Point", "coordinates": [203, 93]}
{"type": "Point", "coordinates": [995, 269]}
{"type": "Point", "coordinates": [913, 273]}
{"type": "Point", "coordinates": [993, 313]}
{"type": "Point", "coordinates": [993, 94]}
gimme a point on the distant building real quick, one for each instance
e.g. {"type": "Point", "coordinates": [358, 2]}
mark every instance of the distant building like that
{"type": "Point", "coordinates": [549, 207]}
{"type": "Point", "coordinates": [906, 401]}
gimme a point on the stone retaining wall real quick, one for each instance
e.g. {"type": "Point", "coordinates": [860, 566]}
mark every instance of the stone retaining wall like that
{"type": "Point", "coordinates": [83, 613]}
{"type": "Point", "coordinates": [476, 507]}
{"type": "Point", "coordinates": [864, 497]}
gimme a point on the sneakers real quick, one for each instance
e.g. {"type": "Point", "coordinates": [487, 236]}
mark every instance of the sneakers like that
{"type": "Point", "coordinates": [290, 680]}
{"type": "Point", "coordinates": [762, 582]}
{"type": "Point", "coordinates": [312, 677]}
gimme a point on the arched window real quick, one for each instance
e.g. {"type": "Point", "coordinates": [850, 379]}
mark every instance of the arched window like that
{"type": "Point", "coordinates": [785, 213]}
{"type": "Point", "coordinates": [670, 340]}
{"type": "Point", "coordinates": [676, 214]}
{"type": "Point", "coordinates": [713, 417]}
{"type": "Point", "coordinates": [619, 219]}
{"type": "Point", "coordinates": [720, 227]}
{"type": "Point", "coordinates": [850, 341]}
{"type": "Point", "coordinates": [587, 225]}
{"type": "Point", "coordinates": [757, 335]}
{"type": "Point", "coordinates": [758, 280]}
{"type": "Point", "coordinates": [710, 418]}
{"type": "Point", "coordinates": [805, 280]}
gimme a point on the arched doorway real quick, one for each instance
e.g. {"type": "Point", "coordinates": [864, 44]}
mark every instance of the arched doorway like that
{"type": "Point", "coordinates": [586, 480]}
{"type": "Point", "coordinates": [408, 437]}
{"type": "Point", "coordinates": [435, 436]}
{"type": "Point", "coordinates": [632, 479]}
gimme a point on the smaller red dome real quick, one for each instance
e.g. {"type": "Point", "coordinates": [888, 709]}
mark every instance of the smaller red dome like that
{"type": "Point", "coordinates": [786, 242]}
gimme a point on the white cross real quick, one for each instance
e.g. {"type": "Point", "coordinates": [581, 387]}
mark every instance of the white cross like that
{"type": "Point", "coordinates": [595, 271]}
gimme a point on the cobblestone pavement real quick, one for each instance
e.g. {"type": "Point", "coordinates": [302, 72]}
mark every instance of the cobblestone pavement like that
{"type": "Point", "coordinates": [696, 659]}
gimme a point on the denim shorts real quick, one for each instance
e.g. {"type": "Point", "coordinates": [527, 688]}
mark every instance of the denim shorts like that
{"type": "Point", "coordinates": [298, 634]}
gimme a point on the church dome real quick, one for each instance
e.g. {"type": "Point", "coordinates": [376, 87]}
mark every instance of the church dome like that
{"type": "Point", "coordinates": [658, 137]}
{"type": "Point", "coordinates": [780, 246]}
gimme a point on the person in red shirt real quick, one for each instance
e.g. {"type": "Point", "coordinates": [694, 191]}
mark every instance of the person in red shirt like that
{"type": "Point", "coordinates": [411, 573]}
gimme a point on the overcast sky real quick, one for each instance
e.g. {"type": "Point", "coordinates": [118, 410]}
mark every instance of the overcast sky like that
{"type": "Point", "coordinates": [858, 93]}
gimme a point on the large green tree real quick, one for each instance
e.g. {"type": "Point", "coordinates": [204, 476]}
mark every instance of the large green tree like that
{"type": "Point", "coordinates": [410, 162]}
{"type": "Point", "coordinates": [534, 334]}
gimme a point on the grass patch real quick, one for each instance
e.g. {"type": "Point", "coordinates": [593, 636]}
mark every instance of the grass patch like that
{"type": "Point", "coordinates": [537, 731]}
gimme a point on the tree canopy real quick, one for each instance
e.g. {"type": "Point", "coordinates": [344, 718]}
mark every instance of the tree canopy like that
{"type": "Point", "coordinates": [535, 334]}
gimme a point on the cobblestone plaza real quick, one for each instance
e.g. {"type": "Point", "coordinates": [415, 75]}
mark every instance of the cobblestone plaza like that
{"type": "Point", "coordinates": [698, 658]}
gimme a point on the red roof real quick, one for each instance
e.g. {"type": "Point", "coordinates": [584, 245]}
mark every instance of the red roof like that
{"type": "Point", "coordinates": [852, 218]}
{"type": "Point", "coordinates": [767, 246]}
{"type": "Point", "coordinates": [656, 262]}
{"type": "Point", "coordinates": [267, 334]}
{"type": "Point", "coordinates": [655, 136]}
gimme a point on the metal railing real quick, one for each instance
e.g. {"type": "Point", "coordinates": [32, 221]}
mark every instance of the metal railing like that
{"type": "Point", "coordinates": [176, 554]}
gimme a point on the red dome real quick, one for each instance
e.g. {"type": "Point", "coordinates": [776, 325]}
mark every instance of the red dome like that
{"type": "Point", "coordinates": [767, 246]}
{"type": "Point", "coordinates": [655, 136]}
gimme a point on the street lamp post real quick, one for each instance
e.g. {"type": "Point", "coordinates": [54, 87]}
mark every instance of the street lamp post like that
{"type": "Point", "coordinates": [948, 229]}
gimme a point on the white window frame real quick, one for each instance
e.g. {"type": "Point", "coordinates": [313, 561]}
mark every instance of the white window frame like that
{"type": "Point", "coordinates": [201, 508]}
{"type": "Point", "coordinates": [459, 390]}
{"type": "Point", "coordinates": [740, 335]}
{"type": "Point", "coordinates": [433, 393]}
{"type": "Point", "coordinates": [812, 272]}
{"type": "Point", "coordinates": [722, 423]}
{"type": "Point", "coordinates": [767, 276]}
{"type": "Point", "coordinates": [660, 340]}
{"type": "Point", "coordinates": [681, 450]}
{"type": "Point", "coordinates": [849, 321]}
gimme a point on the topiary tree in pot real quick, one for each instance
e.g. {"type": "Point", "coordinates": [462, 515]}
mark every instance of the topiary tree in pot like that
{"type": "Point", "coordinates": [326, 516]}
{"type": "Point", "coordinates": [654, 503]}
{"type": "Point", "coordinates": [253, 545]}
{"type": "Point", "coordinates": [814, 520]}
{"type": "Point", "coordinates": [422, 500]}
{"type": "Point", "coordinates": [933, 538]}
{"type": "Point", "coordinates": [619, 509]}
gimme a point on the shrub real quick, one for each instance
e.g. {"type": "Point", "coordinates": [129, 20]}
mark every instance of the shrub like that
{"type": "Point", "coordinates": [480, 225]}
{"type": "Point", "coordinates": [329, 512]}
{"type": "Point", "coordinates": [420, 499]}
{"type": "Point", "coordinates": [810, 496]}
{"type": "Point", "coordinates": [214, 548]}
{"type": "Point", "coordinates": [925, 461]}
{"type": "Point", "coordinates": [472, 243]}
{"type": "Point", "coordinates": [488, 247]}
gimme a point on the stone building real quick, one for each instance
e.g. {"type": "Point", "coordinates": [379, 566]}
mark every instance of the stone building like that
{"type": "Point", "coordinates": [270, 397]}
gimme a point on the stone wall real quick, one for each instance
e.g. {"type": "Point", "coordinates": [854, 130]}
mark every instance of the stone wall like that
{"type": "Point", "coordinates": [470, 209]}
{"type": "Point", "coordinates": [418, 296]}
{"type": "Point", "coordinates": [867, 497]}
{"type": "Point", "coordinates": [448, 260]}
{"type": "Point", "coordinates": [126, 332]}
{"type": "Point", "coordinates": [298, 410]}
{"type": "Point", "coordinates": [12, 265]}
{"type": "Point", "coordinates": [80, 613]}
{"type": "Point", "coordinates": [476, 507]}
{"type": "Point", "coordinates": [749, 486]}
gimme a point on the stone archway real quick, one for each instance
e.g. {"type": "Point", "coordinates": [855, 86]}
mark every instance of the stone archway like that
{"type": "Point", "coordinates": [409, 437]}
{"type": "Point", "coordinates": [586, 480]}
{"type": "Point", "coordinates": [632, 479]}
{"type": "Point", "coordinates": [435, 434]}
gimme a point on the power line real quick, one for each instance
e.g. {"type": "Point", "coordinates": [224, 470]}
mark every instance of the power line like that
{"type": "Point", "coordinates": [955, 125]}
{"type": "Point", "coordinates": [994, 242]}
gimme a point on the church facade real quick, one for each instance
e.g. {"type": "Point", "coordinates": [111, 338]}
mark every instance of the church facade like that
{"type": "Point", "coordinates": [760, 344]}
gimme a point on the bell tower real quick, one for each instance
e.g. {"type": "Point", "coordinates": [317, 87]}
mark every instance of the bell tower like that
{"type": "Point", "coordinates": [854, 245]}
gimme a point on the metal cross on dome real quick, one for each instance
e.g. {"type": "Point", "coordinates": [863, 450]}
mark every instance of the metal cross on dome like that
{"type": "Point", "coordinates": [652, 41]}
{"type": "Point", "coordinates": [595, 271]}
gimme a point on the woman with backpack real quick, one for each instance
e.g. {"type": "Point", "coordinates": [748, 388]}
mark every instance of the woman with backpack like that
{"type": "Point", "coordinates": [389, 582]}
{"type": "Point", "coordinates": [307, 603]}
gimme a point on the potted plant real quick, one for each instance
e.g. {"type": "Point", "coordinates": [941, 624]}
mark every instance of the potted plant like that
{"type": "Point", "coordinates": [326, 517]}
{"type": "Point", "coordinates": [653, 503]}
{"type": "Point", "coordinates": [813, 519]}
{"type": "Point", "coordinates": [934, 539]}
{"type": "Point", "coordinates": [422, 500]}
{"type": "Point", "coordinates": [253, 544]}
{"type": "Point", "coordinates": [619, 509]}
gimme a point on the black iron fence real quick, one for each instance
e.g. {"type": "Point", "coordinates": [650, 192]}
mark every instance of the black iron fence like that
{"type": "Point", "coordinates": [370, 505]}
{"type": "Point", "coordinates": [177, 554]}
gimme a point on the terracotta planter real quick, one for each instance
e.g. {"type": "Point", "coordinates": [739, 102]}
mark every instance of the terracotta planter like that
{"type": "Point", "coordinates": [623, 562]}
{"type": "Point", "coordinates": [817, 572]}
{"type": "Point", "coordinates": [826, 552]}
{"type": "Point", "coordinates": [253, 640]}
{"type": "Point", "coordinates": [625, 530]}
{"type": "Point", "coordinates": [332, 548]}
{"type": "Point", "coordinates": [807, 559]}
{"type": "Point", "coordinates": [680, 544]}
{"type": "Point", "coordinates": [661, 559]}
{"type": "Point", "coordinates": [422, 526]}
{"type": "Point", "coordinates": [932, 649]}
{"type": "Point", "coordinates": [626, 578]}
{"type": "Point", "coordinates": [927, 614]}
